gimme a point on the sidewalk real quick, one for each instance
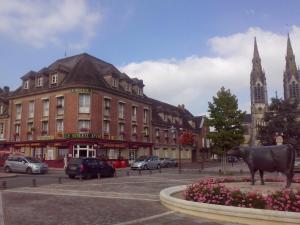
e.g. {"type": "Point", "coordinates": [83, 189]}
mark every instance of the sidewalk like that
{"type": "Point", "coordinates": [7, 175]}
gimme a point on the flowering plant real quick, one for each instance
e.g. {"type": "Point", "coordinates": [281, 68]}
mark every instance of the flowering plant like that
{"type": "Point", "coordinates": [212, 191]}
{"type": "Point", "coordinates": [187, 138]}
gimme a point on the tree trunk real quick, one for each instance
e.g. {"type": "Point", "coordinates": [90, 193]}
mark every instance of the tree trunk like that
{"type": "Point", "coordinates": [224, 163]}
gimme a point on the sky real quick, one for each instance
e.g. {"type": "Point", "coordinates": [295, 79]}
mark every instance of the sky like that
{"type": "Point", "coordinates": [184, 50]}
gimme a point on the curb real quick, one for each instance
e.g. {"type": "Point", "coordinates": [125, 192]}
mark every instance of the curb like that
{"type": "Point", "coordinates": [226, 213]}
{"type": "Point", "coordinates": [7, 175]}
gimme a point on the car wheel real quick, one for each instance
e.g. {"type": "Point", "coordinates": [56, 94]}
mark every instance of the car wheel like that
{"type": "Point", "coordinates": [145, 167]}
{"type": "Point", "coordinates": [29, 171]}
{"type": "Point", "coordinates": [71, 176]}
{"type": "Point", "coordinates": [7, 169]}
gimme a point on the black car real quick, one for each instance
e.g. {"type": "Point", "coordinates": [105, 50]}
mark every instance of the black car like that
{"type": "Point", "coordinates": [89, 168]}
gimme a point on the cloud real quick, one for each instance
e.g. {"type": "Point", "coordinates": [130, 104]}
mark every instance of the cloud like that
{"type": "Point", "coordinates": [194, 80]}
{"type": "Point", "coordinates": [39, 23]}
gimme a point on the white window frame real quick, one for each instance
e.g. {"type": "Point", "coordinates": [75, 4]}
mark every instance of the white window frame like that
{"type": "Point", "coordinates": [134, 113]}
{"type": "Point", "coordinates": [84, 103]}
{"type": "Point", "coordinates": [140, 91]}
{"type": "Point", "coordinates": [26, 84]}
{"type": "Point", "coordinates": [45, 127]}
{"type": "Point", "coordinates": [60, 105]}
{"type": "Point", "coordinates": [106, 106]}
{"type": "Point", "coordinates": [84, 124]}
{"type": "Point", "coordinates": [39, 81]}
{"type": "Point", "coordinates": [31, 107]}
{"type": "Point", "coordinates": [2, 131]}
{"type": "Point", "coordinates": [18, 111]}
{"type": "Point", "coordinates": [46, 107]}
{"type": "Point", "coordinates": [54, 78]}
{"type": "Point", "coordinates": [146, 115]}
{"type": "Point", "coordinates": [59, 125]}
{"type": "Point", "coordinates": [121, 110]}
{"type": "Point", "coordinates": [106, 126]}
{"type": "Point", "coordinates": [114, 82]}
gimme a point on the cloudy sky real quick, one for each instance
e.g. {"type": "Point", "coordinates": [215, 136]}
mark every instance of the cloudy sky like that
{"type": "Point", "coordinates": [183, 50]}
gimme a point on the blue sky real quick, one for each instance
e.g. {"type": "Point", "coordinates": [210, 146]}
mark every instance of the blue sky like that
{"type": "Point", "coordinates": [183, 50]}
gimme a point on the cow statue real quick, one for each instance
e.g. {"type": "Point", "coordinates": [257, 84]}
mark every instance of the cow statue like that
{"type": "Point", "coordinates": [280, 158]}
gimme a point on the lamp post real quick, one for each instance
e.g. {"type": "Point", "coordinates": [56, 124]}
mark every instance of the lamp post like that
{"type": "Point", "coordinates": [174, 131]}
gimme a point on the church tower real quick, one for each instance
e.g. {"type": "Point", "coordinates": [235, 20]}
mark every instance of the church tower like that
{"type": "Point", "coordinates": [259, 97]}
{"type": "Point", "coordinates": [291, 74]}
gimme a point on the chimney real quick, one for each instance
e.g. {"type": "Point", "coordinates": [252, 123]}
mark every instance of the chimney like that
{"type": "Point", "coordinates": [6, 89]}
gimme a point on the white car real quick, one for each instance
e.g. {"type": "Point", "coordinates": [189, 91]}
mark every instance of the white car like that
{"type": "Point", "coordinates": [146, 162]}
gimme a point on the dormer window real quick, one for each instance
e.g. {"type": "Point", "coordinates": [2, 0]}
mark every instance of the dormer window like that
{"type": "Point", "coordinates": [39, 82]}
{"type": "Point", "coordinates": [140, 91]}
{"type": "Point", "coordinates": [54, 79]}
{"type": "Point", "coordinates": [114, 83]}
{"type": "Point", "coordinates": [26, 84]}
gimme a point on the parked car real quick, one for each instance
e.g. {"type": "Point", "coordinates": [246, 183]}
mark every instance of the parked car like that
{"type": "Point", "coordinates": [24, 164]}
{"type": "Point", "coordinates": [146, 162]}
{"type": "Point", "coordinates": [167, 162]}
{"type": "Point", "coordinates": [232, 159]}
{"type": "Point", "coordinates": [88, 168]}
{"type": "Point", "coordinates": [297, 165]}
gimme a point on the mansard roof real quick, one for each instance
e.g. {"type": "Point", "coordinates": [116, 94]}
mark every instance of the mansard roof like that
{"type": "Point", "coordinates": [82, 69]}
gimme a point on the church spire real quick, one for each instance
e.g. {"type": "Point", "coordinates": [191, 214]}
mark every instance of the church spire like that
{"type": "Point", "coordinates": [257, 71]}
{"type": "Point", "coordinates": [255, 54]}
{"type": "Point", "coordinates": [290, 66]}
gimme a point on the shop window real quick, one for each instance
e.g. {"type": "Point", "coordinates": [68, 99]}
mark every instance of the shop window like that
{"type": "Point", "coordinates": [84, 103]}
{"type": "Point", "coordinates": [18, 111]}
{"type": "Point", "coordinates": [31, 109]}
{"type": "Point", "coordinates": [45, 107]}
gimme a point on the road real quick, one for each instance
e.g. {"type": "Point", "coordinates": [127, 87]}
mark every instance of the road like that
{"type": "Point", "coordinates": [122, 200]}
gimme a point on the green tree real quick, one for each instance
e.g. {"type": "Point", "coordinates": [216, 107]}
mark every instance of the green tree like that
{"type": "Point", "coordinates": [226, 120]}
{"type": "Point", "coordinates": [282, 118]}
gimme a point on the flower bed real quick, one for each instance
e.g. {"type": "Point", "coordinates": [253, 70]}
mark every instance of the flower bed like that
{"type": "Point", "coordinates": [213, 191]}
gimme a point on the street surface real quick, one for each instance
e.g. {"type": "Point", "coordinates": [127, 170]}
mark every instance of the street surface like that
{"type": "Point", "coordinates": [121, 200]}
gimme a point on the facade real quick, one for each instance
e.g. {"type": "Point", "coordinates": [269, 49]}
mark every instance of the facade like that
{"type": "Point", "coordinates": [258, 88]}
{"type": "Point", "coordinates": [78, 106]}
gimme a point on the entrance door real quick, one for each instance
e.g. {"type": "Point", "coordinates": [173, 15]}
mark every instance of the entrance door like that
{"type": "Point", "coordinates": [82, 151]}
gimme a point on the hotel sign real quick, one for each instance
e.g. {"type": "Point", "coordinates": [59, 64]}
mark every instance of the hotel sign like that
{"type": "Point", "coordinates": [81, 90]}
{"type": "Point", "coordinates": [81, 136]}
{"type": "Point", "coordinates": [42, 138]}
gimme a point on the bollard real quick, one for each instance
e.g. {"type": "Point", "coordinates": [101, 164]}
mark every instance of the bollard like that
{"type": "Point", "coordinates": [140, 172]}
{"type": "Point", "coordinates": [127, 173]}
{"type": "Point", "coordinates": [59, 180]}
{"type": "Point", "coordinates": [115, 174]}
{"type": "Point", "coordinates": [80, 177]}
{"type": "Point", "coordinates": [4, 186]}
{"type": "Point", "coordinates": [150, 172]}
{"type": "Point", "coordinates": [159, 170]}
{"type": "Point", "coordinates": [33, 182]}
{"type": "Point", "coordinates": [99, 176]}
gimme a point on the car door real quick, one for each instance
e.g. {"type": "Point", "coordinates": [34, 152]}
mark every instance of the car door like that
{"type": "Point", "coordinates": [23, 164]}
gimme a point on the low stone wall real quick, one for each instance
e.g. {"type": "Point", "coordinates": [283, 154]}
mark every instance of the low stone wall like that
{"type": "Point", "coordinates": [226, 213]}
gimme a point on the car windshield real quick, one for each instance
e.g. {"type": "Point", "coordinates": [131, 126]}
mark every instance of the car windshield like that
{"type": "Point", "coordinates": [141, 158]}
{"type": "Point", "coordinates": [32, 160]}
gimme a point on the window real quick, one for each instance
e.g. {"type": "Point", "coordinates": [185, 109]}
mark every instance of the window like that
{"type": "Point", "coordinates": [146, 115]}
{"type": "Point", "coordinates": [45, 127]}
{"type": "Point", "coordinates": [114, 83]}
{"type": "Point", "coordinates": [294, 90]}
{"type": "Point", "coordinates": [259, 92]}
{"type": "Point", "coordinates": [46, 107]}
{"type": "Point", "coordinates": [157, 133]}
{"type": "Point", "coordinates": [106, 126]}
{"type": "Point", "coordinates": [121, 110]}
{"type": "Point", "coordinates": [146, 131]}
{"type": "Point", "coordinates": [121, 130]}
{"type": "Point", "coordinates": [84, 126]}
{"type": "Point", "coordinates": [60, 104]}
{"type": "Point", "coordinates": [59, 125]}
{"type": "Point", "coordinates": [39, 82]}
{"type": "Point", "coordinates": [18, 111]}
{"type": "Point", "coordinates": [31, 109]}
{"type": "Point", "coordinates": [134, 132]}
{"type": "Point", "coordinates": [134, 112]}
{"type": "Point", "coordinates": [1, 109]}
{"type": "Point", "coordinates": [17, 132]}
{"type": "Point", "coordinates": [140, 91]}
{"type": "Point", "coordinates": [30, 131]}
{"type": "Point", "coordinates": [1, 130]}
{"type": "Point", "coordinates": [26, 84]}
{"type": "Point", "coordinates": [106, 106]}
{"type": "Point", "coordinates": [54, 79]}
{"type": "Point", "coordinates": [84, 103]}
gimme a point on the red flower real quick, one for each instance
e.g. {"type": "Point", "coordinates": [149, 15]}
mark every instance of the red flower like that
{"type": "Point", "coordinates": [187, 138]}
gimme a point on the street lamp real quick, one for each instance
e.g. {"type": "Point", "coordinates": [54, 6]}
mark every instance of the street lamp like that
{"type": "Point", "coordinates": [174, 131]}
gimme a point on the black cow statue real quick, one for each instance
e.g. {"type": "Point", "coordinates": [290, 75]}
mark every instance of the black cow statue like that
{"type": "Point", "coordinates": [278, 158]}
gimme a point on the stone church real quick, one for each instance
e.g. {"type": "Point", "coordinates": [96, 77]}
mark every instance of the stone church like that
{"type": "Point", "coordinates": [258, 89]}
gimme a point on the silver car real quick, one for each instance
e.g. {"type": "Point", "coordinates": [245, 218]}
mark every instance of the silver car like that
{"type": "Point", "coordinates": [146, 162]}
{"type": "Point", "coordinates": [24, 164]}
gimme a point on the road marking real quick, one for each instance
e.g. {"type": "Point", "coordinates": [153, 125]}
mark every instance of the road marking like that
{"type": "Point", "coordinates": [146, 218]}
{"type": "Point", "coordinates": [1, 210]}
{"type": "Point", "coordinates": [91, 194]}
